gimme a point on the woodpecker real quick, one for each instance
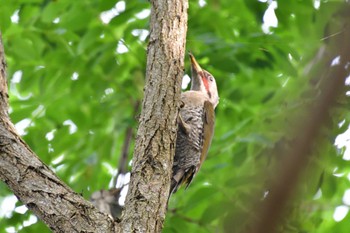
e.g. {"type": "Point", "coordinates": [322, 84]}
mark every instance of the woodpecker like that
{"type": "Point", "coordinates": [195, 126]}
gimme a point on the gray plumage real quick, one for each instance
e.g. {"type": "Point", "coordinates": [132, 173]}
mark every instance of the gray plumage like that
{"type": "Point", "coordinates": [195, 127]}
{"type": "Point", "coordinates": [190, 149]}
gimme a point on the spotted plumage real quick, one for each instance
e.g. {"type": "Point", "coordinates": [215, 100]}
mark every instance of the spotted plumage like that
{"type": "Point", "coordinates": [196, 126]}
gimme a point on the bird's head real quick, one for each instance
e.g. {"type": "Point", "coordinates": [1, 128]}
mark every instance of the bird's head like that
{"type": "Point", "coordinates": [203, 81]}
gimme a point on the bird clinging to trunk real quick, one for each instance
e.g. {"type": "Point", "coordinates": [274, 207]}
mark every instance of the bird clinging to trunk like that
{"type": "Point", "coordinates": [196, 126]}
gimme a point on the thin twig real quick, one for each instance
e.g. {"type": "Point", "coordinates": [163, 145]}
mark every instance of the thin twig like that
{"type": "Point", "coordinates": [123, 160]}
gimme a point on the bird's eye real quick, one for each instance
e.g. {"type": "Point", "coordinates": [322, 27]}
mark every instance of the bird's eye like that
{"type": "Point", "coordinates": [211, 78]}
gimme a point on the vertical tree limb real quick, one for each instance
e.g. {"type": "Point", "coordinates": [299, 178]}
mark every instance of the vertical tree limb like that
{"type": "Point", "coordinates": [107, 201]}
{"type": "Point", "coordinates": [294, 161]}
{"type": "Point", "coordinates": [123, 160]}
{"type": "Point", "coordinates": [3, 83]}
{"type": "Point", "coordinates": [146, 201]}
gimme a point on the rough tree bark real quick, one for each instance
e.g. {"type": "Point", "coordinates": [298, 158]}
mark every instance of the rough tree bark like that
{"type": "Point", "coordinates": [36, 185]}
{"type": "Point", "coordinates": [60, 207]}
{"type": "Point", "coordinates": [156, 136]}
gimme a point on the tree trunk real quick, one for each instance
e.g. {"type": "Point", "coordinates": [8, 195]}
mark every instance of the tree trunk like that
{"type": "Point", "coordinates": [61, 208]}
{"type": "Point", "coordinates": [156, 136]}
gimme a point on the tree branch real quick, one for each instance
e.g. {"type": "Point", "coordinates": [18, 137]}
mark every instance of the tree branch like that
{"type": "Point", "coordinates": [3, 83]}
{"type": "Point", "coordinates": [36, 185]}
{"type": "Point", "coordinates": [123, 160]}
{"type": "Point", "coordinates": [295, 160]}
{"type": "Point", "coordinates": [107, 201]}
{"type": "Point", "coordinates": [146, 201]}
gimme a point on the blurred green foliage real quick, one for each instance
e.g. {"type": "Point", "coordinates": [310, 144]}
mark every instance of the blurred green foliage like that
{"type": "Point", "coordinates": [74, 80]}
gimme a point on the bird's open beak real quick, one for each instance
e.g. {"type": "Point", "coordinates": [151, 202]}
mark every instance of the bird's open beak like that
{"type": "Point", "coordinates": [194, 63]}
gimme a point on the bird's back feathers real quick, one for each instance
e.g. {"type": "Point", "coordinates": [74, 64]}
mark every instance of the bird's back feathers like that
{"type": "Point", "coordinates": [193, 137]}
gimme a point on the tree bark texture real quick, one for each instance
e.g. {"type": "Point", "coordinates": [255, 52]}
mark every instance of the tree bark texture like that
{"type": "Point", "coordinates": [61, 208]}
{"type": "Point", "coordinates": [146, 202]}
{"type": "Point", "coordinates": [36, 185]}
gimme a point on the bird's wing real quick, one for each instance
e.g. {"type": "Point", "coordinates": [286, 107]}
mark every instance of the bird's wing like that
{"type": "Point", "coordinates": [208, 129]}
{"type": "Point", "coordinates": [191, 154]}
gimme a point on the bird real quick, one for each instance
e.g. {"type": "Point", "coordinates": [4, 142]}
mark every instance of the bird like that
{"type": "Point", "coordinates": [195, 126]}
